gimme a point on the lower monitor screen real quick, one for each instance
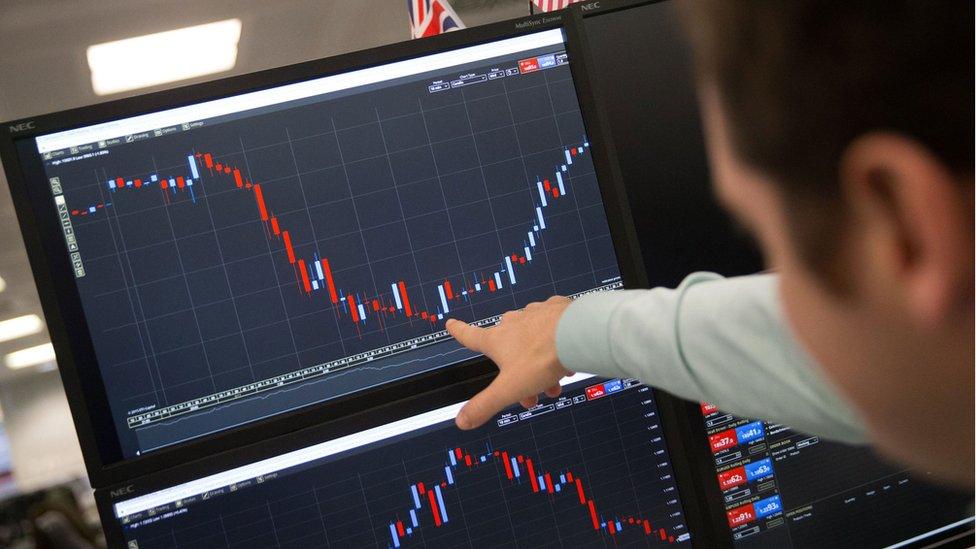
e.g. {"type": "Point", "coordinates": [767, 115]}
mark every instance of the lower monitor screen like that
{"type": "Point", "coordinates": [786, 489]}
{"type": "Point", "coordinates": [589, 469]}
{"type": "Point", "coordinates": [248, 256]}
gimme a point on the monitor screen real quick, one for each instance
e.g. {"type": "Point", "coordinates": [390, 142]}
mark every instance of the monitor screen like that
{"type": "Point", "coordinates": [590, 468]}
{"type": "Point", "coordinates": [251, 255]}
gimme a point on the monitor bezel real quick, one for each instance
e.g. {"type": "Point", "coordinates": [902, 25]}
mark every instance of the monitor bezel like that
{"type": "Point", "coordinates": [691, 471]}
{"type": "Point", "coordinates": [60, 300]}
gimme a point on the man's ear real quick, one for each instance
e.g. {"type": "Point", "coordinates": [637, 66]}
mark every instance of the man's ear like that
{"type": "Point", "coordinates": [918, 218]}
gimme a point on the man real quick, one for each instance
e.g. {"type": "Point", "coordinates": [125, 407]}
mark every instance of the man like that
{"type": "Point", "coordinates": [841, 135]}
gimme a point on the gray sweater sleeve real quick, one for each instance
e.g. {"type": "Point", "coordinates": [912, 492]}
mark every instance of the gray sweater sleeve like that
{"type": "Point", "coordinates": [714, 339]}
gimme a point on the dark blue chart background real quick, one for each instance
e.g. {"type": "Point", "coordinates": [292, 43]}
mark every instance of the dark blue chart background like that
{"type": "Point", "coordinates": [186, 299]}
{"type": "Point", "coordinates": [613, 444]}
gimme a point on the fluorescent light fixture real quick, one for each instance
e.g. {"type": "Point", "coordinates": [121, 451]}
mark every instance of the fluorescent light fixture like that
{"type": "Point", "coordinates": [3, 284]}
{"type": "Point", "coordinates": [31, 356]}
{"type": "Point", "coordinates": [20, 326]}
{"type": "Point", "coordinates": [164, 57]}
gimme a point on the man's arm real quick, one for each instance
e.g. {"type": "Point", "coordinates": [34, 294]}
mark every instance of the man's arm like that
{"type": "Point", "coordinates": [712, 339]}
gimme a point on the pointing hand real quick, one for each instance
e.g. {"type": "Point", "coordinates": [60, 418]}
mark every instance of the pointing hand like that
{"type": "Point", "coordinates": [523, 346]}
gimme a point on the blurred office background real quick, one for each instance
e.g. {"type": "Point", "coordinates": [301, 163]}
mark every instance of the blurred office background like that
{"type": "Point", "coordinates": [45, 66]}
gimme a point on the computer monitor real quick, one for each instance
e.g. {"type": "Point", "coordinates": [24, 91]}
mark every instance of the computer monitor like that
{"type": "Point", "coordinates": [231, 252]}
{"type": "Point", "coordinates": [768, 486]}
{"type": "Point", "coordinates": [588, 469]}
{"type": "Point", "coordinates": [641, 73]}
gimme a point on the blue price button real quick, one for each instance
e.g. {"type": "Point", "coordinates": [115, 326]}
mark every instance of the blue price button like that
{"type": "Point", "coordinates": [759, 469]}
{"type": "Point", "coordinates": [750, 432]}
{"type": "Point", "coordinates": [769, 506]}
{"type": "Point", "coordinates": [613, 386]}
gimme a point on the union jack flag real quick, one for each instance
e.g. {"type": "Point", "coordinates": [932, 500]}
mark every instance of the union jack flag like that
{"type": "Point", "coordinates": [552, 5]}
{"type": "Point", "coordinates": [430, 17]}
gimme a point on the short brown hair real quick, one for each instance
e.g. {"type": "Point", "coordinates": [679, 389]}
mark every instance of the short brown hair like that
{"type": "Point", "coordinates": [800, 80]}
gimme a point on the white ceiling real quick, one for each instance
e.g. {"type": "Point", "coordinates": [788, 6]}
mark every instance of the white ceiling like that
{"type": "Point", "coordinates": [43, 68]}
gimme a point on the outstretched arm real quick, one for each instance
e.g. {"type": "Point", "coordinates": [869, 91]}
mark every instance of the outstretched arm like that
{"type": "Point", "coordinates": [711, 339]}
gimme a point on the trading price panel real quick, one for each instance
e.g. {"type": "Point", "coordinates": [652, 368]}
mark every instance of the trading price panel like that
{"type": "Point", "coordinates": [786, 489]}
{"type": "Point", "coordinates": [589, 469]}
{"type": "Point", "coordinates": [247, 265]}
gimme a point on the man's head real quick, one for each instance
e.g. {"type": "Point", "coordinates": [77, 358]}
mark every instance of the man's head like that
{"type": "Point", "coordinates": [842, 135]}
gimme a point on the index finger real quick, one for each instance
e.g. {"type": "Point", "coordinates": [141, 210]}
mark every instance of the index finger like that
{"type": "Point", "coordinates": [483, 406]}
{"type": "Point", "coordinates": [468, 335]}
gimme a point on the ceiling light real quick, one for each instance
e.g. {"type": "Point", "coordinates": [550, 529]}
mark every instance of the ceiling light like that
{"type": "Point", "coordinates": [3, 284]}
{"type": "Point", "coordinates": [20, 326]}
{"type": "Point", "coordinates": [30, 356]}
{"type": "Point", "coordinates": [164, 56]}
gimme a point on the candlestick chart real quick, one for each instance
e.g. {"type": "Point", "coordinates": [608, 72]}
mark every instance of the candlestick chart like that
{"type": "Point", "coordinates": [250, 266]}
{"type": "Point", "coordinates": [584, 470]}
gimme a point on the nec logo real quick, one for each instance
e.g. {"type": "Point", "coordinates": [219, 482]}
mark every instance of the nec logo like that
{"type": "Point", "coordinates": [22, 127]}
{"type": "Point", "coordinates": [123, 491]}
{"type": "Point", "coordinates": [590, 6]}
